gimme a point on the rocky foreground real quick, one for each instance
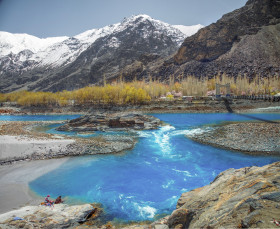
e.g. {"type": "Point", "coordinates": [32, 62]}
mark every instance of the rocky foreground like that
{"type": "Point", "coordinates": [250, 137]}
{"type": "Point", "coordinates": [241, 198]}
{"type": "Point", "coordinates": [58, 216]}
{"type": "Point", "coordinates": [111, 122]}
{"type": "Point", "coordinates": [237, 198]}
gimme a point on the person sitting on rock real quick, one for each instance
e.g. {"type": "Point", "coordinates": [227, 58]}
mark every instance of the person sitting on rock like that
{"type": "Point", "coordinates": [58, 200]}
{"type": "Point", "coordinates": [48, 202]}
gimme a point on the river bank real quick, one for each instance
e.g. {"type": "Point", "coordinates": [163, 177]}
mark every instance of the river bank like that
{"type": "Point", "coordinates": [204, 105]}
{"type": "Point", "coordinates": [21, 141]}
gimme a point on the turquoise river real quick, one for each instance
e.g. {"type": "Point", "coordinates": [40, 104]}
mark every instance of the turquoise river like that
{"type": "Point", "coordinates": [146, 182]}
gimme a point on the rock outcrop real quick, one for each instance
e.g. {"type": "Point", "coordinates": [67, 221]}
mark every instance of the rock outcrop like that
{"type": "Point", "coordinates": [59, 216]}
{"type": "Point", "coordinates": [237, 198]}
{"type": "Point", "coordinates": [218, 38]}
{"type": "Point", "coordinates": [111, 122]}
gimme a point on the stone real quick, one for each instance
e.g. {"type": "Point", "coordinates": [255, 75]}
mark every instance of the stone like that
{"type": "Point", "coordinates": [60, 216]}
{"type": "Point", "coordinates": [180, 217]}
{"type": "Point", "coordinates": [274, 196]}
{"type": "Point", "coordinates": [161, 226]}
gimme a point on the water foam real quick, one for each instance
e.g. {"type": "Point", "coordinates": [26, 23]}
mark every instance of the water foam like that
{"type": "Point", "coordinates": [170, 182]}
{"type": "Point", "coordinates": [196, 131]}
{"type": "Point", "coordinates": [162, 139]}
{"type": "Point", "coordinates": [144, 134]}
{"type": "Point", "coordinates": [147, 211]}
{"type": "Point", "coordinates": [187, 173]}
{"type": "Point", "coordinates": [268, 108]}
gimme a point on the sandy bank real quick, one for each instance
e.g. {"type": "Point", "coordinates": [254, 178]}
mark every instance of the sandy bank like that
{"type": "Point", "coordinates": [15, 146]}
{"type": "Point", "coordinates": [14, 179]}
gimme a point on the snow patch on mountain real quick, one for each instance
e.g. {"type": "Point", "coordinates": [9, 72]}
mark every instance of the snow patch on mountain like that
{"type": "Point", "coordinates": [158, 26]}
{"type": "Point", "coordinates": [189, 30]}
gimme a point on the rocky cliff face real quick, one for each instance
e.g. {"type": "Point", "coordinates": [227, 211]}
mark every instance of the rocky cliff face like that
{"type": "Point", "coordinates": [217, 39]}
{"type": "Point", "coordinates": [245, 41]}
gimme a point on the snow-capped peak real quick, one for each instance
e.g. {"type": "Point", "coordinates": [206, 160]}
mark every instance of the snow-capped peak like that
{"type": "Point", "coordinates": [138, 16]}
{"type": "Point", "coordinates": [15, 43]}
{"type": "Point", "coordinates": [60, 51]}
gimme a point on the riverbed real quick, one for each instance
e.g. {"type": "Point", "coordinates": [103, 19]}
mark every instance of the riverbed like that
{"type": "Point", "coordinates": [146, 182]}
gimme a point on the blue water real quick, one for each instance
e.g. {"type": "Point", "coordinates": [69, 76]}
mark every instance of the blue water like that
{"type": "Point", "coordinates": [37, 117]}
{"type": "Point", "coordinates": [146, 182]}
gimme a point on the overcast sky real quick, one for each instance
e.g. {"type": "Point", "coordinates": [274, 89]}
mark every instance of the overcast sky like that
{"type": "Point", "coordinates": [45, 18]}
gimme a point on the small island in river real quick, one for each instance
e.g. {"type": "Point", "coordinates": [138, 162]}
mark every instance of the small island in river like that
{"type": "Point", "coordinates": [20, 140]}
{"type": "Point", "coordinates": [247, 137]}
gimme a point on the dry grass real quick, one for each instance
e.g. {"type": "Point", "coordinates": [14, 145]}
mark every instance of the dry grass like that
{"type": "Point", "coordinates": [139, 92]}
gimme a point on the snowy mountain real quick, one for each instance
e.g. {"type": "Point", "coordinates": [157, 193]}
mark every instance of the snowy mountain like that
{"type": "Point", "coordinates": [28, 62]}
{"type": "Point", "coordinates": [15, 43]}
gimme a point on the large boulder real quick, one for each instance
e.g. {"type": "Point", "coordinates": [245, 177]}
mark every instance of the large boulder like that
{"type": "Point", "coordinates": [59, 216]}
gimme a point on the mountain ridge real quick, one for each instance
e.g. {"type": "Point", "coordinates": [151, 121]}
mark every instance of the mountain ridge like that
{"type": "Point", "coordinates": [37, 70]}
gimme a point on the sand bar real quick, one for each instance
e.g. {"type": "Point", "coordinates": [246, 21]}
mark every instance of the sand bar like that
{"type": "Point", "coordinates": [16, 146]}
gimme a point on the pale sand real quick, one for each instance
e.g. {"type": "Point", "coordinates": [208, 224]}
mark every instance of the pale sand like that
{"type": "Point", "coordinates": [16, 146]}
{"type": "Point", "coordinates": [14, 179]}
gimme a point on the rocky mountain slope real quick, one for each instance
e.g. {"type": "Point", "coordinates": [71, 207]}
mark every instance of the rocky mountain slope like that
{"type": "Point", "coordinates": [245, 41]}
{"type": "Point", "coordinates": [27, 62]}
